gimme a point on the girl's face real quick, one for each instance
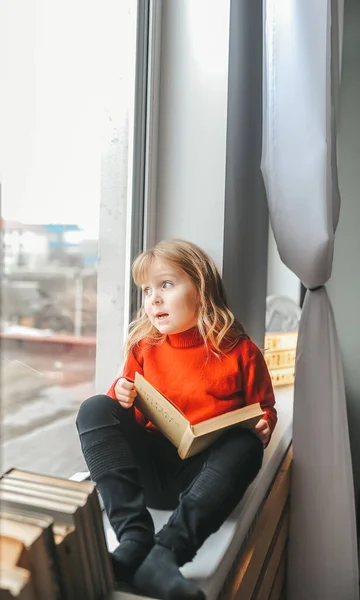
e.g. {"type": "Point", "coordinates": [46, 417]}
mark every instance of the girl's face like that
{"type": "Point", "coordinates": [170, 298]}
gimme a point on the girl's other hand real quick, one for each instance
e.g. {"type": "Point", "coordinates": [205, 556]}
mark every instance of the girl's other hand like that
{"type": "Point", "coordinates": [262, 430]}
{"type": "Point", "coordinates": [125, 392]}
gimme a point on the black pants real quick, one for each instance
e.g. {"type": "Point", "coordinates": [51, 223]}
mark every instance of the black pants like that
{"type": "Point", "coordinates": [135, 468]}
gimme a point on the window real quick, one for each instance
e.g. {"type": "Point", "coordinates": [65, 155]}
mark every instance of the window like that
{"type": "Point", "coordinates": [72, 95]}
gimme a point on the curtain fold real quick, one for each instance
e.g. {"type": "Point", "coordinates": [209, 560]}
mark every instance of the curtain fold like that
{"type": "Point", "coordinates": [300, 106]}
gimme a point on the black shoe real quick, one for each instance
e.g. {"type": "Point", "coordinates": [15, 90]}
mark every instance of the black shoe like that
{"type": "Point", "coordinates": [127, 558]}
{"type": "Point", "coordinates": [159, 577]}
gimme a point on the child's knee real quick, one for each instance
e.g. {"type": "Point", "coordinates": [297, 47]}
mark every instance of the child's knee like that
{"type": "Point", "coordinates": [239, 451]}
{"type": "Point", "coordinates": [92, 412]}
{"type": "Point", "coordinates": [253, 454]}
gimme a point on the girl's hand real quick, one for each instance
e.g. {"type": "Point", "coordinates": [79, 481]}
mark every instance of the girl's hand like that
{"type": "Point", "coordinates": [125, 392]}
{"type": "Point", "coordinates": [262, 430]}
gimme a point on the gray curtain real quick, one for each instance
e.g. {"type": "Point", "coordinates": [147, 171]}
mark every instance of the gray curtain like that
{"type": "Point", "coordinates": [301, 84]}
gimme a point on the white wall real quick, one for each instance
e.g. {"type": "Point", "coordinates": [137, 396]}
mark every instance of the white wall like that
{"type": "Point", "coordinates": [209, 182]}
{"type": "Point", "coordinates": [192, 123]}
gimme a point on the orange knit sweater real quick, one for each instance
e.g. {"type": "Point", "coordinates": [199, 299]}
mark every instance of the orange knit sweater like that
{"type": "Point", "coordinates": [198, 383]}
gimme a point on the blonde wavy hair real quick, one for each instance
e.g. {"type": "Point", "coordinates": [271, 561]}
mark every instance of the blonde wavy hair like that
{"type": "Point", "coordinates": [216, 323]}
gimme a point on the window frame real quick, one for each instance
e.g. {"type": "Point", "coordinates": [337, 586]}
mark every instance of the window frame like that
{"type": "Point", "coordinates": [118, 298]}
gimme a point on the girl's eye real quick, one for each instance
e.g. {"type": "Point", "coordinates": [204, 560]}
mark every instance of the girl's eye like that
{"type": "Point", "coordinates": [167, 284]}
{"type": "Point", "coordinates": [147, 291]}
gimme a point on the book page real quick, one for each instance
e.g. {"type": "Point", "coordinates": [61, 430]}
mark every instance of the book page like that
{"type": "Point", "coordinates": [15, 579]}
{"type": "Point", "coordinates": [21, 531]}
{"type": "Point", "coordinates": [247, 416]}
{"type": "Point", "coordinates": [69, 484]}
{"type": "Point", "coordinates": [202, 435]}
{"type": "Point", "coordinates": [159, 410]}
{"type": "Point", "coordinates": [61, 511]}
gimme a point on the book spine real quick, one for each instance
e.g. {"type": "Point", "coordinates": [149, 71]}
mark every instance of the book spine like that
{"type": "Point", "coordinates": [186, 442]}
{"type": "Point", "coordinates": [101, 542]}
{"type": "Point", "coordinates": [282, 376]}
{"type": "Point", "coordinates": [280, 341]}
{"type": "Point", "coordinates": [55, 565]}
{"type": "Point", "coordinates": [65, 551]}
{"type": "Point", "coordinates": [280, 359]}
{"type": "Point", "coordinates": [85, 553]}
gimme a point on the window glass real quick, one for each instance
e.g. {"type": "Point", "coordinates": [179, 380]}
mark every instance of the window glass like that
{"type": "Point", "coordinates": [65, 68]}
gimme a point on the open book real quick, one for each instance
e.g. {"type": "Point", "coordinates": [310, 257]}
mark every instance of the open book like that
{"type": "Point", "coordinates": [188, 439]}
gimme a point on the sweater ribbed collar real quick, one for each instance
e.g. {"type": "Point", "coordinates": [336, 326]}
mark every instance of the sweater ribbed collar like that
{"type": "Point", "coordinates": [185, 339]}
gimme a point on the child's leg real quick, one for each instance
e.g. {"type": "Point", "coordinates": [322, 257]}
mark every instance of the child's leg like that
{"type": "Point", "coordinates": [225, 470]}
{"type": "Point", "coordinates": [129, 466]}
{"type": "Point", "coordinates": [229, 466]}
{"type": "Point", "coordinates": [113, 443]}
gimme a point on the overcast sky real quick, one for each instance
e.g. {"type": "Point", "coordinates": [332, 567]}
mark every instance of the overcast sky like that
{"type": "Point", "coordinates": [60, 83]}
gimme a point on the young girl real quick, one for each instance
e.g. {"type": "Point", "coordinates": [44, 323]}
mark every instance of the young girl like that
{"type": "Point", "coordinates": [187, 343]}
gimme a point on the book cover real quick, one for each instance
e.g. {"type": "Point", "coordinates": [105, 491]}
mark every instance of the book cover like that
{"type": "Point", "coordinates": [65, 542]}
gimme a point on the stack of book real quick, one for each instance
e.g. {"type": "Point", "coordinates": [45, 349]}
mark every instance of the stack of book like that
{"type": "Point", "coordinates": [52, 540]}
{"type": "Point", "coordinates": [280, 357]}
